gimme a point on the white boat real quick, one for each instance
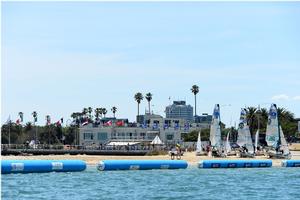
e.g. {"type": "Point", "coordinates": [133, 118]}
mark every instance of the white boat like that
{"type": "Point", "coordinates": [215, 134]}
{"type": "Point", "coordinates": [277, 145]}
{"type": "Point", "coordinates": [244, 139]}
{"type": "Point", "coordinates": [199, 149]}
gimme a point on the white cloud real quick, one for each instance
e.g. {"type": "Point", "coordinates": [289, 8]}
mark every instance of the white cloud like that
{"type": "Point", "coordinates": [296, 98]}
{"type": "Point", "coordinates": [284, 97]}
{"type": "Point", "coordinates": [280, 97]}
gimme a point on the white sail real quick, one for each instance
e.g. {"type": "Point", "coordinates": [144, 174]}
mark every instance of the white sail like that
{"type": "Point", "coordinates": [199, 147]}
{"type": "Point", "coordinates": [228, 147]}
{"type": "Point", "coordinates": [244, 135]}
{"type": "Point", "coordinates": [284, 146]}
{"type": "Point", "coordinates": [272, 131]}
{"type": "Point", "coordinates": [215, 129]}
{"type": "Point", "coordinates": [256, 139]}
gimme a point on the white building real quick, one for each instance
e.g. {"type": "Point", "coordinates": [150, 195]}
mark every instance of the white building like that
{"type": "Point", "coordinates": [169, 130]}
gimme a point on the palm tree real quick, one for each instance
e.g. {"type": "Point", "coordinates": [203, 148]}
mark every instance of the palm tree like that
{"type": "Point", "coordinates": [97, 113]}
{"type": "Point", "coordinates": [252, 119]}
{"type": "Point", "coordinates": [90, 110]}
{"type": "Point", "coordinates": [149, 98]}
{"type": "Point", "coordinates": [34, 114]}
{"type": "Point", "coordinates": [114, 110]}
{"type": "Point", "coordinates": [195, 90]}
{"type": "Point", "coordinates": [104, 111]}
{"type": "Point", "coordinates": [85, 111]}
{"type": "Point", "coordinates": [47, 119]}
{"type": "Point", "coordinates": [138, 97]}
{"type": "Point", "coordinates": [21, 116]}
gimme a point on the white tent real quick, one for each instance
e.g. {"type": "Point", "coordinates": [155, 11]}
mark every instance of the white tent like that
{"type": "Point", "coordinates": [157, 140]}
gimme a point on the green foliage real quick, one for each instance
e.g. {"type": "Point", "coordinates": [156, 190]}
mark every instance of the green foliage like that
{"type": "Point", "coordinates": [193, 135]}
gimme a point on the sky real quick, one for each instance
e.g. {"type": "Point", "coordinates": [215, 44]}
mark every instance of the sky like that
{"type": "Point", "coordinates": [59, 57]}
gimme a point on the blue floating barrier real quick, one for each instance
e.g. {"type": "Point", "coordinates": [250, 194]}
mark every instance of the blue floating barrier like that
{"type": "Point", "coordinates": [141, 164]}
{"type": "Point", "coordinates": [30, 166]}
{"type": "Point", "coordinates": [234, 163]}
{"type": "Point", "coordinates": [290, 163]}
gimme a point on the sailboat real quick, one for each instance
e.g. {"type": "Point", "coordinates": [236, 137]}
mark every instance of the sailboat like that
{"type": "Point", "coordinates": [199, 150]}
{"type": "Point", "coordinates": [244, 139]}
{"type": "Point", "coordinates": [215, 134]}
{"type": "Point", "coordinates": [277, 145]}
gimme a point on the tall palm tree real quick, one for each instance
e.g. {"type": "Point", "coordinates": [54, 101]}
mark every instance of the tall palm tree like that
{"type": "Point", "coordinates": [34, 114]}
{"type": "Point", "coordinates": [97, 113]}
{"type": "Point", "coordinates": [104, 111]}
{"type": "Point", "coordinates": [48, 120]}
{"type": "Point", "coordinates": [195, 90]}
{"type": "Point", "coordinates": [90, 110]}
{"type": "Point", "coordinates": [252, 119]}
{"type": "Point", "coordinates": [85, 111]}
{"type": "Point", "coordinates": [21, 116]}
{"type": "Point", "coordinates": [138, 98]}
{"type": "Point", "coordinates": [114, 110]}
{"type": "Point", "coordinates": [149, 98]}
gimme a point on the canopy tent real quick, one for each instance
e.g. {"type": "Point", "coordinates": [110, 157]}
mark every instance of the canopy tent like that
{"type": "Point", "coordinates": [157, 141]}
{"type": "Point", "coordinates": [122, 143]}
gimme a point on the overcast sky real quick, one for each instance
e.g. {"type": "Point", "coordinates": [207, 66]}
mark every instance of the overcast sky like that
{"type": "Point", "coordinates": [60, 57]}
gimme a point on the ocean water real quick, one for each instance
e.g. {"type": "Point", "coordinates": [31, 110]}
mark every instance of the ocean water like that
{"type": "Point", "coordinates": [190, 183]}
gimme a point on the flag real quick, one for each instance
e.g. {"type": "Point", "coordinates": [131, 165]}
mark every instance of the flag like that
{"type": "Point", "coordinates": [18, 121]}
{"type": "Point", "coordinates": [48, 120]}
{"type": "Point", "coordinates": [166, 126]}
{"type": "Point", "coordinates": [8, 121]}
{"type": "Point", "coordinates": [155, 126]}
{"type": "Point", "coordinates": [144, 125]}
{"type": "Point", "coordinates": [58, 123]}
{"type": "Point", "coordinates": [176, 126]}
{"type": "Point", "coordinates": [84, 123]}
{"type": "Point", "coordinates": [186, 126]}
{"type": "Point", "coordinates": [109, 123]}
{"type": "Point", "coordinates": [120, 123]}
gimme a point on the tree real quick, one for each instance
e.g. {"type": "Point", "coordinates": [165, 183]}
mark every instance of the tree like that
{"type": "Point", "coordinates": [104, 111]}
{"type": "Point", "coordinates": [90, 110]}
{"type": "Point", "coordinates": [252, 119]}
{"type": "Point", "coordinates": [114, 110]}
{"type": "Point", "coordinates": [34, 114]}
{"type": "Point", "coordinates": [138, 98]}
{"type": "Point", "coordinates": [21, 116]}
{"type": "Point", "coordinates": [85, 111]}
{"type": "Point", "coordinates": [195, 90]}
{"type": "Point", "coordinates": [149, 98]}
{"type": "Point", "coordinates": [97, 113]}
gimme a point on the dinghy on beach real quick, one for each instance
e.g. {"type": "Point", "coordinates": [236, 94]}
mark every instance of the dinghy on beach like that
{"type": "Point", "coordinates": [199, 148]}
{"type": "Point", "coordinates": [217, 149]}
{"type": "Point", "coordinates": [277, 145]}
{"type": "Point", "coordinates": [244, 139]}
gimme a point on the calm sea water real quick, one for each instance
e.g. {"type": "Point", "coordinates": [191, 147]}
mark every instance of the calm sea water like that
{"type": "Point", "coordinates": [191, 183]}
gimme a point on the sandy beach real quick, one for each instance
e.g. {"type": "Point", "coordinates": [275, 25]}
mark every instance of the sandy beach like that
{"type": "Point", "coordinates": [190, 157]}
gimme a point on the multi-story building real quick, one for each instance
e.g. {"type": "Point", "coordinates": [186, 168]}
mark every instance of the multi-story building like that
{"type": "Point", "coordinates": [179, 110]}
{"type": "Point", "coordinates": [170, 131]}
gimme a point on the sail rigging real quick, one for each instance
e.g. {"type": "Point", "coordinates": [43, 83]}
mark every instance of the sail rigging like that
{"type": "Point", "coordinates": [274, 134]}
{"type": "Point", "coordinates": [199, 146]}
{"type": "Point", "coordinates": [244, 136]}
{"type": "Point", "coordinates": [228, 147]}
{"type": "Point", "coordinates": [215, 129]}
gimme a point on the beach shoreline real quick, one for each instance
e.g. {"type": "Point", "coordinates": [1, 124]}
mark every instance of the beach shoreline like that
{"type": "Point", "coordinates": [92, 160]}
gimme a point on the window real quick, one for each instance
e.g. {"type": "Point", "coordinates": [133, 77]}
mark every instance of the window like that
{"type": "Point", "coordinates": [170, 137]}
{"type": "Point", "coordinates": [88, 136]}
{"type": "Point", "coordinates": [102, 136]}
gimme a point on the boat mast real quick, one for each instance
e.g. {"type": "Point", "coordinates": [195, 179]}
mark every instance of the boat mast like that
{"type": "Point", "coordinates": [279, 138]}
